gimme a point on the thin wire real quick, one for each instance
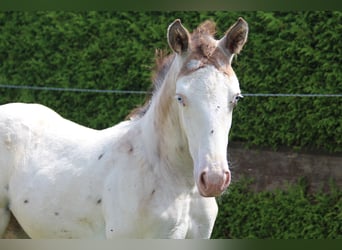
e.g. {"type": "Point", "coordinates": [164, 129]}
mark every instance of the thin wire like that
{"type": "Point", "coordinates": [73, 89]}
{"type": "Point", "coordinates": [291, 95]}
{"type": "Point", "coordinates": [115, 91]}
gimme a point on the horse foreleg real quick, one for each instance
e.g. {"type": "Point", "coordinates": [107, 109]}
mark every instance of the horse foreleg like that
{"type": "Point", "coordinates": [202, 217]}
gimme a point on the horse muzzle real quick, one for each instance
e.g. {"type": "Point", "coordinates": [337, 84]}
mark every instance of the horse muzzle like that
{"type": "Point", "coordinates": [213, 182]}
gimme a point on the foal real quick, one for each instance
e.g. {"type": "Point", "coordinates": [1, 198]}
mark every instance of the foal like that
{"type": "Point", "coordinates": [155, 175]}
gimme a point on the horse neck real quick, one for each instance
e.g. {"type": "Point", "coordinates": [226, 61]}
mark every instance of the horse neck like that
{"type": "Point", "coordinates": [164, 134]}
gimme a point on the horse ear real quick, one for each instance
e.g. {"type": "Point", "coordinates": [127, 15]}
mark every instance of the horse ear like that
{"type": "Point", "coordinates": [178, 37]}
{"type": "Point", "coordinates": [235, 37]}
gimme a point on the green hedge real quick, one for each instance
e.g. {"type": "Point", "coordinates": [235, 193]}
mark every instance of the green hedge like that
{"type": "Point", "coordinates": [292, 53]}
{"type": "Point", "coordinates": [291, 214]}
{"type": "Point", "coordinates": [287, 52]}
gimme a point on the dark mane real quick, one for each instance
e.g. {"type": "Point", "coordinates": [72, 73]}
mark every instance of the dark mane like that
{"type": "Point", "coordinates": [163, 63]}
{"type": "Point", "coordinates": [202, 46]}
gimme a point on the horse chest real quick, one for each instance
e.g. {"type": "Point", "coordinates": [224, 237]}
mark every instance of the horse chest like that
{"type": "Point", "coordinates": [149, 213]}
{"type": "Point", "coordinates": [172, 217]}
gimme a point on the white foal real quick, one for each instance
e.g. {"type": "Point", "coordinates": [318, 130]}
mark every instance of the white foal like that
{"type": "Point", "coordinates": [153, 176]}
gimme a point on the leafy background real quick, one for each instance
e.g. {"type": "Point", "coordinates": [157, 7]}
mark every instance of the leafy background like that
{"type": "Point", "coordinates": [287, 52]}
{"type": "Point", "coordinates": [294, 213]}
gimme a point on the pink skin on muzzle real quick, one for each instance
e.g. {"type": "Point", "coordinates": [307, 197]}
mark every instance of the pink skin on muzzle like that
{"type": "Point", "coordinates": [212, 182]}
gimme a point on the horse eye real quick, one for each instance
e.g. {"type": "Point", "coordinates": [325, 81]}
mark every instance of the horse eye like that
{"type": "Point", "coordinates": [180, 100]}
{"type": "Point", "coordinates": [237, 98]}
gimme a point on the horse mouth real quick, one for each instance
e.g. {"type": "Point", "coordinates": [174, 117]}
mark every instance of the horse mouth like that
{"type": "Point", "coordinates": [213, 192]}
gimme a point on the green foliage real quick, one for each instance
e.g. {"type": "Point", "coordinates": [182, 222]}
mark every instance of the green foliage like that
{"type": "Point", "coordinates": [287, 52]}
{"type": "Point", "coordinates": [297, 52]}
{"type": "Point", "coordinates": [290, 214]}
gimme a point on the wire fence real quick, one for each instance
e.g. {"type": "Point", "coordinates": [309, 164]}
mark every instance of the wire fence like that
{"type": "Point", "coordinates": [108, 91]}
{"type": "Point", "coordinates": [138, 92]}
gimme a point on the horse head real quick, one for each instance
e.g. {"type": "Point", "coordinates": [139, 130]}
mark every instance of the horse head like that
{"type": "Point", "coordinates": [207, 90]}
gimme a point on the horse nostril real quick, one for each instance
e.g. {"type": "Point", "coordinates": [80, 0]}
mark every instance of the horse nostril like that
{"type": "Point", "coordinates": [227, 179]}
{"type": "Point", "coordinates": [202, 180]}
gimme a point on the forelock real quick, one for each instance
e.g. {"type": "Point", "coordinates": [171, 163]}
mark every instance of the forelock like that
{"type": "Point", "coordinates": [202, 39]}
{"type": "Point", "coordinates": [204, 50]}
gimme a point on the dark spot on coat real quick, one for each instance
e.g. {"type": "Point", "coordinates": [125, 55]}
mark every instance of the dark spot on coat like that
{"type": "Point", "coordinates": [26, 201]}
{"type": "Point", "coordinates": [112, 230]}
{"type": "Point", "coordinates": [99, 201]}
{"type": "Point", "coordinates": [6, 187]}
{"type": "Point", "coordinates": [130, 149]}
{"type": "Point", "coordinates": [212, 131]}
{"type": "Point", "coordinates": [153, 191]}
{"type": "Point", "coordinates": [100, 156]}
{"type": "Point", "coordinates": [56, 213]}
